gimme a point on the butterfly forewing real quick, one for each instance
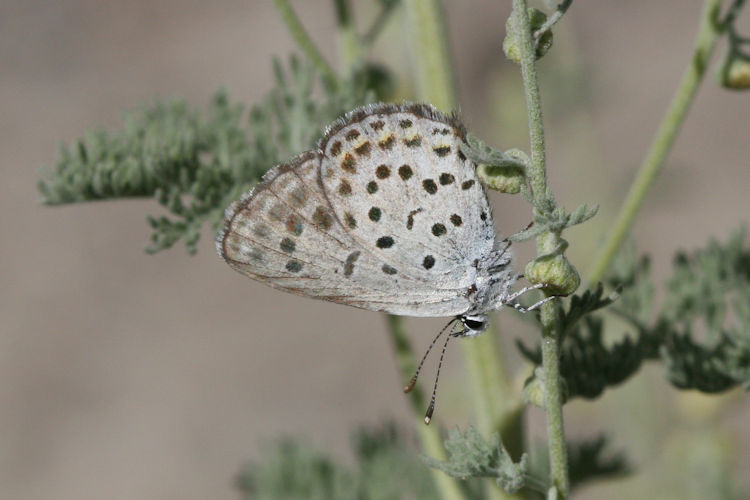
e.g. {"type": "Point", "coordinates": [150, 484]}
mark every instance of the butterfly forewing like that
{"type": "Point", "coordinates": [401, 175]}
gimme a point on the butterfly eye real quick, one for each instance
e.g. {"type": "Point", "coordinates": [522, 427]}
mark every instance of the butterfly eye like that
{"type": "Point", "coordinates": [473, 324]}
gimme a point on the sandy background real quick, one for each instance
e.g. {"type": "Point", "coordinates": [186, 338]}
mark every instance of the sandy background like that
{"type": "Point", "coordinates": [125, 376]}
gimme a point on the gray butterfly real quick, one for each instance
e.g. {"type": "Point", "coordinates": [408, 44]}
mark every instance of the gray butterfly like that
{"type": "Point", "coordinates": [387, 214]}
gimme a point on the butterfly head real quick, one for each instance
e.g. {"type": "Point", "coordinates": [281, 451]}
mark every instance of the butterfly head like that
{"type": "Point", "coordinates": [474, 324]}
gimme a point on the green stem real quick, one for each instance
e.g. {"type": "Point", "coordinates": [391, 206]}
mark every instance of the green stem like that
{"type": "Point", "coordinates": [537, 170]}
{"type": "Point", "coordinates": [379, 23]}
{"type": "Point", "coordinates": [708, 33]}
{"type": "Point", "coordinates": [498, 408]}
{"type": "Point", "coordinates": [546, 243]}
{"type": "Point", "coordinates": [558, 453]}
{"type": "Point", "coordinates": [489, 380]}
{"type": "Point", "coordinates": [349, 43]}
{"type": "Point", "coordinates": [429, 436]}
{"type": "Point", "coordinates": [304, 41]}
{"type": "Point", "coordinates": [436, 85]}
{"type": "Point", "coordinates": [430, 53]}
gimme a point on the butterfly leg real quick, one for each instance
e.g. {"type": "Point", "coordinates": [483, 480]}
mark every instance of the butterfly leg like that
{"type": "Point", "coordinates": [510, 300]}
{"type": "Point", "coordinates": [523, 290]}
{"type": "Point", "coordinates": [524, 310]}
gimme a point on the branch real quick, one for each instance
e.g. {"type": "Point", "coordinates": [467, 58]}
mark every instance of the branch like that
{"type": "Point", "coordinates": [546, 244]}
{"type": "Point", "coordinates": [306, 45]}
{"type": "Point", "coordinates": [708, 33]}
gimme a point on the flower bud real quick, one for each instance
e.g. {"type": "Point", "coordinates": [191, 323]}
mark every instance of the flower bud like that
{"type": "Point", "coordinates": [377, 78]}
{"type": "Point", "coordinates": [556, 272]}
{"type": "Point", "coordinates": [734, 71]}
{"type": "Point", "coordinates": [533, 390]}
{"type": "Point", "coordinates": [510, 45]}
{"type": "Point", "coordinates": [507, 179]}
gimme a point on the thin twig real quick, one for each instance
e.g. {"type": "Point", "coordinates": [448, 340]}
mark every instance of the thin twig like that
{"type": "Point", "coordinates": [379, 23]}
{"type": "Point", "coordinates": [349, 41]}
{"type": "Point", "coordinates": [298, 32]}
{"type": "Point", "coordinates": [731, 15]}
{"type": "Point", "coordinates": [708, 34]}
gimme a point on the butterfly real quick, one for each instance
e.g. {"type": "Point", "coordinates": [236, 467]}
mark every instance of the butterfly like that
{"type": "Point", "coordinates": [386, 214]}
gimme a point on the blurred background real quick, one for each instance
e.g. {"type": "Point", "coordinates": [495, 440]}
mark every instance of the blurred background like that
{"type": "Point", "coordinates": [124, 375]}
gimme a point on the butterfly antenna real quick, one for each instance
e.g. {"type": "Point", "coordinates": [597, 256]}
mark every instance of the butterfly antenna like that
{"type": "Point", "coordinates": [431, 408]}
{"type": "Point", "coordinates": [413, 381]}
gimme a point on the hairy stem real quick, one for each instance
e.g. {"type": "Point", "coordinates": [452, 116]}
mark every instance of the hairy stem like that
{"type": "Point", "coordinates": [546, 243]}
{"type": "Point", "coordinates": [304, 41]}
{"type": "Point", "coordinates": [558, 453]}
{"type": "Point", "coordinates": [432, 443]}
{"type": "Point", "coordinates": [708, 33]}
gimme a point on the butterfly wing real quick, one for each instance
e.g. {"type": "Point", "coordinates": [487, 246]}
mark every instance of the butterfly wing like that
{"type": "Point", "coordinates": [284, 233]}
{"type": "Point", "coordinates": [399, 172]}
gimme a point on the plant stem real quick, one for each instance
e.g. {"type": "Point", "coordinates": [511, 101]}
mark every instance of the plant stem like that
{"type": "Point", "coordinates": [488, 380]}
{"type": "Point", "coordinates": [430, 53]}
{"type": "Point", "coordinates": [304, 41]}
{"type": "Point", "coordinates": [436, 85]}
{"type": "Point", "coordinates": [558, 453]}
{"type": "Point", "coordinates": [429, 436]}
{"type": "Point", "coordinates": [432, 63]}
{"type": "Point", "coordinates": [377, 26]}
{"type": "Point", "coordinates": [708, 32]}
{"type": "Point", "coordinates": [537, 170]}
{"type": "Point", "coordinates": [349, 43]}
{"type": "Point", "coordinates": [542, 200]}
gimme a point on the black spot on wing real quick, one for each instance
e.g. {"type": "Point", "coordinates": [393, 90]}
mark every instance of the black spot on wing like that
{"type": "Point", "coordinates": [382, 172]}
{"type": "Point", "coordinates": [384, 242]}
{"type": "Point", "coordinates": [388, 269]}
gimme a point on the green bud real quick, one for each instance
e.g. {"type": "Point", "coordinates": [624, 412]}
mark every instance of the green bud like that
{"type": "Point", "coordinates": [544, 43]}
{"type": "Point", "coordinates": [501, 171]}
{"type": "Point", "coordinates": [555, 271]}
{"type": "Point", "coordinates": [734, 71]}
{"type": "Point", "coordinates": [377, 78]}
{"type": "Point", "coordinates": [504, 179]}
{"type": "Point", "coordinates": [510, 46]}
{"type": "Point", "coordinates": [533, 390]}
{"type": "Point", "coordinates": [537, 18]}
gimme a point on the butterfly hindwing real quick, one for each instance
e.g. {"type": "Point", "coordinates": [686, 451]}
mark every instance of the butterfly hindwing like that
{"type": "Point", "coordinates": [271, 235]}
{"type": "Point", "coordinates": [285, 233]}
